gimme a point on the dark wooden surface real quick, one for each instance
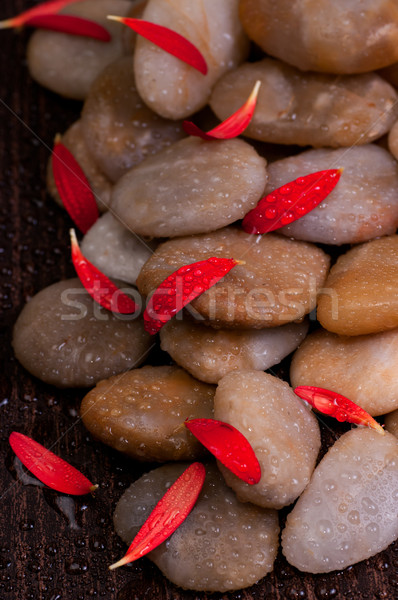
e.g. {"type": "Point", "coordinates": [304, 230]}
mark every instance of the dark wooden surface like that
{"type": "Point", "coordinates": [52, 546]}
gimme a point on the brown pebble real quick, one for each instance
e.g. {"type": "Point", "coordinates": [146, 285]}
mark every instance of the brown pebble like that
{"type": "Point", "coordinates": [142, 413]}
{"type": "Point", "coordinates": [209, 353]}
{"type": "Point", "coordinates": [222, 545]}
{"type": "Point", "coordinates": [335, 37]}
{"type": "Point", "coordinates": [119, 130]}
{"type": "Point", "coordinates": [68, 64]}
{"type": "Point", "coordinates": [361, 368]}
{"type": "Point", "coordinates": [308, 109]}
{"type": "Point", "coordinates": [64, 338]}
{"type": "Point", "coordinates": [360, 294]}
{"type": "Point", "coordinates": [277, 283]}
{"type": "Point", "coordinates": [391, 422]}
{"type": "Point", "coordinates": [283, 432]}
{"type": "Point", "coordinates": [362, 206]}
{"type": "Point", "coordinates": [100, 184]}
{"type": "Point", "coordinates": [191, 187]}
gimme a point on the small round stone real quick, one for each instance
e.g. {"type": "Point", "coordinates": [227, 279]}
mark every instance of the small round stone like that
{"type": "Point", "coordinates": [64, 338]}
{"type": "Point", "coordinates": [282, 431]}
{"type": "Point", "coordinates": [222, 545]}
{"type": "Point", "coordinates": [115, 250]}
{"type": "Point", "coordinates": [361, 368]}
{"type": "Point", "coordinates": [209, 354]}
{"type": "Point", "coordinates": [68, 64]}
{"type": "Point", "coordinates": [142, 413]}
{"type": "Point", "coordinates": [276, 284]}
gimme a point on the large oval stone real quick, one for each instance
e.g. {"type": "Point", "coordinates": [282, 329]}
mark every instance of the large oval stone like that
{"type": "Point", "coordinates": [348, 512]}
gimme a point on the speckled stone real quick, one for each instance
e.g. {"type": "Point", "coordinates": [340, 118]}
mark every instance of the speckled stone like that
{"type": "Point", "coordinates": [209, 354]}
{"type": "Point", "coordinates": [191, 187]}
{"type": "Point", "coordinates": [142, 413]}
{"type": "Point", "coordinates": [179, 90]}
{"type": "Point", "coordinates": [362, 206]}
{"type": "Point", "coordinates": [348, 512]}
{"type": "Point", "coordinates": [308, 109]}
{"type": "Point", "coordinates": [281, 429]}
{"type": "Point", "coordinates": [339, 36]}
{"type": "Point", "coordinates": [362, 368]}
{"type": "Point", "coordinates": [68, 64]}
{"type": "Point", "coordinates": [277, 283]}
{"type": "Point", "coordinates": [360, 294]}
{"type": "Point", "coordinates": [222, 545]}
{"type": "Point", "coordinates": [64, 338]}
{"type": "Point", "coordinates": [115, 250]}
{"type": "Point", "coordinates": [119, 130]}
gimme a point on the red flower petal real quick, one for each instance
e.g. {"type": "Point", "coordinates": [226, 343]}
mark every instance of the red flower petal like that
{"type": "Point", "coordinates": [49, 468]}
{"type": "Point", "coordinates": [168, 514]}
{"type": "Point", "coordinates": [231, 127]}
{"type": "Point", "coordinates": [229, 446]}
{"type": "Point", "coordinates": [98, 285]}
{"type": "Point", "coordinates": [45, 8]}
{"type": "Point", "coordinates": [181, 287]}
{"type": "Point", "coordinates": [72, 25]}
{"type": "Point", "coordinates": [291, 201]}
{"type": "Point", "coordinates": [337, 406]}
{"type": "Point", "coordinates": [167, 39]}
{"type": "Point", "coordinates": [73, 188]}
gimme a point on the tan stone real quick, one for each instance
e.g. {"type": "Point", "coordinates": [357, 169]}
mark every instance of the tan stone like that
{"type": "Point", "coordinates": [308, 108]}
{"type": "Point", "coordinates": [193, 186]}
{"type": "Point", "coordinates": [361, 368]}
{"type": "Point", "coordinates": [119, 130]}
{"type": "Point", "coordinates": [277, 283]}
{"type": "Point", "coordinates": [361, 292]}
{"type": "Point", "coordinates": [168, 85]}
{"type": "Point", "coordinates": [68, 64]}
{"type": "Point", "coordinates": [282, 430]}
{"type": "Point", "coordinates": [335, 36]}
{"type": "Point", "coordinates": [142, 413]}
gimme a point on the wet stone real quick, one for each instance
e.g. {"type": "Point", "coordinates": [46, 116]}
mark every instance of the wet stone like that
{"type": "Point", "coordinates": [348, 512]}
{"type": "Point", "coordinates": [192, 187]}
{"type": "Point", "coordinates": [391, 422]}
{"type": "Point", "coordinates": [209, 354]}
{"type": "Point", "coordinates": [361, 368]}
{"type": "Point", "coordinates": [119, 130]}
{"type": "Point", "coordinates": [282, 431]}
{"type": "Point", "coordinates": [362, 206]}
{"type": "Point", "coordinates": [101, 186]}
{"type": "Point", "coordinates": [68, 64]}
{"type": "Point", "coordinates": [344, 36]}
{"type": "Point", "coordinates": [360, 294]}
{"type": "Point", "coordinates": [118, 252]}
{"type": "Point", "coordinates": [222, 545]}
{"type": "Point", "coordinates": [64, 338]}
{"type": "Point", "coordinates": [179, 90]}
{"type": "Point", "coordinates": [308, 108]}
{"type": "Point", "coordinates": [142, 413]}
{"type": "Point", "coordinates": [276, 284]}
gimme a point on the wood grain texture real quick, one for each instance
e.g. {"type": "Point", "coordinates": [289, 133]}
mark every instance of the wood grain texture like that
{"type": "Point", "coordinates": [52, 546]}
